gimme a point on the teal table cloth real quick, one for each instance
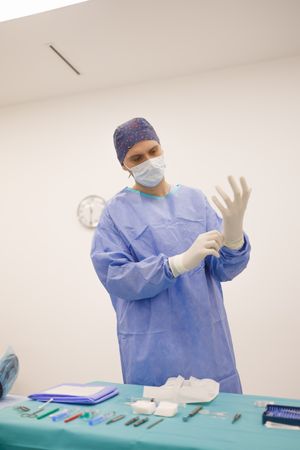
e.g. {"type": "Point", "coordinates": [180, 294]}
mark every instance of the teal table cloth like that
{"type": "Point", "coordinates": [201, 432]}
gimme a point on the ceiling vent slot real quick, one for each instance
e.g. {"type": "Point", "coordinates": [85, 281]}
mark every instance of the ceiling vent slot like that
{"type": "Point", "coordinates": [64, 59]}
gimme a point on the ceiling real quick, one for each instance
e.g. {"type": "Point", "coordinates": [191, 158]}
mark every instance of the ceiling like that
{"type": "Point", "coordinates": [115, 42]}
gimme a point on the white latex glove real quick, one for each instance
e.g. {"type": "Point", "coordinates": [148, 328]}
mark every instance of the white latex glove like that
{"type": "Point", "coordinates": [206, 244]}
{"type": "Point", "coordinates": [233, 215]}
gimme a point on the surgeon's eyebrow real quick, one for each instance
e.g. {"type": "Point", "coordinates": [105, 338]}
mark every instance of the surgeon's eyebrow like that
{"type": "Point", "coordinates": [141, 154]}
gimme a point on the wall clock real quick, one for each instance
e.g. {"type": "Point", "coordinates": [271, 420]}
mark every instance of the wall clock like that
{"type": "Point", "coordinates": [89, 210]}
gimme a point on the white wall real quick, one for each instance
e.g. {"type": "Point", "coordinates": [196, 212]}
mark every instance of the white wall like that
{"type": "Point", "coordinates": [241, 121]}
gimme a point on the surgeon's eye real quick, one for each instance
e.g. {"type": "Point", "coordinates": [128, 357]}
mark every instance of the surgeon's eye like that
{"type": "Point", "coordinates": [136, 158]}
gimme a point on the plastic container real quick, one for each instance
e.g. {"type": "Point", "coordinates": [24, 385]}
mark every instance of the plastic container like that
{"type": "Point", "coordinates": [289, 415]}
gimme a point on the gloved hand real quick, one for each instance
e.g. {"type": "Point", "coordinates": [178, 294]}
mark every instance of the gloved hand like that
{"type": "Point", "coordinates": [233, 215]}
{"type": "Point", "coordinates": [206, 244]}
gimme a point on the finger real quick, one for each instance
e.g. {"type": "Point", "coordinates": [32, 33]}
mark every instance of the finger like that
{"type": "Point", "coordinates": [220, 239]}
{"type": "Point", "coordinates": [213, 233]}
{"type": "Point", "coordinates": [234, 186]}
{"type": "Point", "coordinates": [224, 196]}
{"type": "Point", "coordinates": [216, 236]}
{"type": "Point", "coordinates": [209, 236]}
{"type": "Point", "coordinates": [213, 253]}
{"type": "Point", "coordinates": [212, 245]}
{"type": "Point", "coordinates": [219, 205]}
{"type": "Point", "coordinates": [245, 189]}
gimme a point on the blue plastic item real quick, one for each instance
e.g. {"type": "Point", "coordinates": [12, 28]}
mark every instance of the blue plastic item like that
{"type": "Point", "coordinates": [96, 420]}
{"type": "Point", "coordinates": [289, 415]}
{"type": "Point", "coordinates": [60, 415]}
{"type": "Point", "coordinates": [101, 418]}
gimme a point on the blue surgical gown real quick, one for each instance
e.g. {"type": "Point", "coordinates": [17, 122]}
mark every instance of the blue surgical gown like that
{"type": "Point", "coordinates": [167, 326]}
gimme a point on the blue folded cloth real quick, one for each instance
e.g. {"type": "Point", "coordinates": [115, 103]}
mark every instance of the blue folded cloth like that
{"type": "Point", "coordinates": [81, 394]}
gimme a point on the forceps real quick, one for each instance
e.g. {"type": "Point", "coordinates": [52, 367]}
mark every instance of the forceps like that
{"type": "Point", "coordinates": [37, 411]}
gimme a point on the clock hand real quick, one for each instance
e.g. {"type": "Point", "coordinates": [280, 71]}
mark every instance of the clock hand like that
{"type": "Point", "coordinates": [91, 214]}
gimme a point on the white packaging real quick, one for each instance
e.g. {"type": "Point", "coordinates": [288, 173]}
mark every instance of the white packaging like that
{"type": "Point", "coordinates": [166, 409]}
{"type": "Point", "coordinates": [143, 407]}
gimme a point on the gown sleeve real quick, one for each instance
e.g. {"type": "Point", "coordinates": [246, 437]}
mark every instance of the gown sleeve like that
{"type": "Point", "coordinates": [231, 262]}
{"type": "Point", "coordinates": [119, 272]}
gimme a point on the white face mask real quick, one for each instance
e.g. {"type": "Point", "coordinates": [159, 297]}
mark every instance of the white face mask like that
{"type": "Point", "coordinates": [150, 172]}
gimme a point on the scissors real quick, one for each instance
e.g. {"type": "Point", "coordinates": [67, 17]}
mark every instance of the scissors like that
{"type": "Point", "coordinates": [37, 411]}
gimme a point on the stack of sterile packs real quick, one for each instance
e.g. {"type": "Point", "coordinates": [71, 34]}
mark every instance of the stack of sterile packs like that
{"type": "Point", "coordinates": [81, 394]}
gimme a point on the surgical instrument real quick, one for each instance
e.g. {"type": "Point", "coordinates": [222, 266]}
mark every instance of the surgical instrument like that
{"type": "Point", "coordinates": [236, 417]}
{"type": "Point", "coordinates": [63, 414]}
{"type": "Point", "coordinates": [115, 419]}
{"type": "Point", "coordinates": [69, 419]}
{"type": "Point", "coordinates": [140, 422]}
{"type": "Point", "coordinates": [214, 414]}
{"type": "Point", "coordinates": [22, 408]}
{"type": "Point", "coordinates": [131, 421]}
{"type": "Point", "coordinates": [37, 411]}
{"type": "Point", "coordinates": [154, 423]}
{"type": "Point", "coordinates": [192, 413]}
{"type": "Point", "coordinates": [48, 413]}
{"type": "Point", "coordinates": [100, 418]}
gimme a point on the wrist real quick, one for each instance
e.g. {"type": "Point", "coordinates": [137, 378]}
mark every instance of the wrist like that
{"type": "Point", "coordinates": [176, 265]}
{"type": "Point", "coordinates": [234, 244]}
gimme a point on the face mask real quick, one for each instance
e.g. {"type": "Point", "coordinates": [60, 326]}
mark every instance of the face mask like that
{"type": "Point", "coordinates": [150, 172]}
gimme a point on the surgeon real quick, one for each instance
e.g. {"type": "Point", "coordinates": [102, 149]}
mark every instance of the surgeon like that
{"type": "Point", "coordinates": [162, 252]}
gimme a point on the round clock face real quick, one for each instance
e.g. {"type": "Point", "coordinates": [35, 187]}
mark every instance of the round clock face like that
{"type": "Point", "coordinates": [89, 210]}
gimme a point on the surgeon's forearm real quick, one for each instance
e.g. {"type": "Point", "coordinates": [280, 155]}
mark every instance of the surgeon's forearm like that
{"type": "Point", "coordinates": [231, 261]}
{"type": "Point", "coordinates": [139, 280]}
